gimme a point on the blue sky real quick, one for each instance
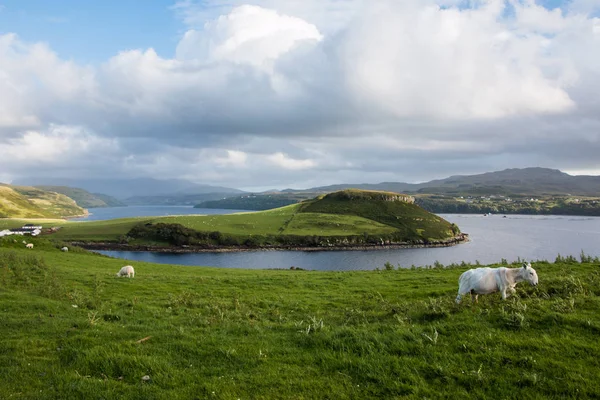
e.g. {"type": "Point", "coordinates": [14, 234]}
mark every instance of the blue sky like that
{"type": "Point", "coordinates": [93, 31]}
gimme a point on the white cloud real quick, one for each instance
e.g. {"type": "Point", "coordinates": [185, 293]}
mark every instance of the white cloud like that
{"type": "Point", "coordinates": [33, 81]}
{"type": "Point", "coordinates": [233, 158]}
{"type": "Point", "coordinates": [273, 91]}
{"type": "Point", "coordinates": [248, 35]}
{"type": "Point", "coordinates": [447, 63]}
{"type": "Point", "coordinates": [329, 16]}
{"type": "Point", "coordinates": [284, 161]}
{"type": "Point", "coordinates": [535, 18]}
{"type": "Point", "coordinates": [57, 147]}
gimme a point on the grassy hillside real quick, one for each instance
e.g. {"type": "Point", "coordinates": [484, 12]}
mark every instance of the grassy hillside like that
{"type": "Point", "coordinates": [13, 204]}
{"type": "Point", "coordinates": [30, 202]}
{"type": "Point", "coordinates": [366, 219]}
{"type": "Point", "coordinates": [73, 330]}
{"type": "Point", "coordinates": [410, 220]}
{"type": "Point", "coordinates": [53, 204]}
{"type": "Point", "coordinates": [274, 222]}
{"type": "Point", "coordinates": [83, 198]}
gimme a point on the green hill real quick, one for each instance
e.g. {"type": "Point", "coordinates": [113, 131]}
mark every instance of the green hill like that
{"type": "Point", "coordinates": [83, 198]}
{"type": "Point", "coordinates": [31, 202]}
{"type": "Point", "coordinates": [391, 209]}
{"type": "Point", "coordinates": [344, 219]}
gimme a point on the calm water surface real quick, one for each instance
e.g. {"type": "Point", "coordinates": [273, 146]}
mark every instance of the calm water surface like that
{"type": "Point", "coordinates": [100, 214]}
{"type": "Point", "coordinates": [492, 238]}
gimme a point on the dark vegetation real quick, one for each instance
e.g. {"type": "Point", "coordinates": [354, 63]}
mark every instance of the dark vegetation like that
{"type": "Point", "coordinates": [254, 202]}
{"type": "Point", "coordinates": [544, 205]}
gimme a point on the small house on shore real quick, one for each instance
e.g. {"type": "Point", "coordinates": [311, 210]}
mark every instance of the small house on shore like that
{"type": "Point", "coordinates": [28, 229]}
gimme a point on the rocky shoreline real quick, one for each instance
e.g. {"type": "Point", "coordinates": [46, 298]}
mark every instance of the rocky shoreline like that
{"type": "Point", "coordinates": [461, 238]}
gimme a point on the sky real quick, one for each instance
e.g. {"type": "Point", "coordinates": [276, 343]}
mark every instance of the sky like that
{"type": "Point", "coordinates": [275, 94]}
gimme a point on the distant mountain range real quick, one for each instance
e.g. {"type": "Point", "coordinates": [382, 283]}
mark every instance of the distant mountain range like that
{"type": "Point", "coordinates": [533, 182]}
{"type": "Point", "coordinates": [149, 191]}
{"type": "Point", "coordinates": [530, 181]}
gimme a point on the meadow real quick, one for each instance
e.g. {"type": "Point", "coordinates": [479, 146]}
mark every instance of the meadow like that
{"type": "Point", "coordinates": [280, 221]}
{"type": "Point", "coordinates": [71, 329]}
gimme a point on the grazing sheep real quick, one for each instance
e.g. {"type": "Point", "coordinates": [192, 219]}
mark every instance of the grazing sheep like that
{"type": "Point", "coordinates": [489, 280]}
{"type": "Point", "coordinates": [29, 245]}
{"type": "Point", "coordinates": [64, 249]}
{"type": "Point", "coordinates": [24, 242]}
{"type": "Point", "coordinates": [126, 270]}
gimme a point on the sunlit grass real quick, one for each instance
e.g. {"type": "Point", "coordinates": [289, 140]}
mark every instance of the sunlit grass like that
{"type": "Point", "coordinates": [71, 329]}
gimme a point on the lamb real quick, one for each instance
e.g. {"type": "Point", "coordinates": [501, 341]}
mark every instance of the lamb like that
{"type": "Point", "coordinates": [29, 245]}
{"type": "Point", "coordinates": [64, 249]}
{"type": "Point", "coordinates": [126, 270]}
{"type": "Point", "coordinates": [489, 280]}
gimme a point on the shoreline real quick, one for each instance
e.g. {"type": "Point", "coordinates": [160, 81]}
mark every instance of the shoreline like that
{"type": "Point", "coordinates": [111, 246]}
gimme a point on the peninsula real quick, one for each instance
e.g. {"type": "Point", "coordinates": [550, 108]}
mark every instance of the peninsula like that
{"type": "Point", "coordinates": [343, 220]}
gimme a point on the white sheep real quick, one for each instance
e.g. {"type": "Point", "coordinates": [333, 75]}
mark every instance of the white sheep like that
{"type": "Point", "coordinates": [29, 245]}
{"type": "Point", "coordinates": [489, 280]}
{"type": "Point", "coordinates": [64, 249]}
{"type": "Point", "coordinates": [126, 271]}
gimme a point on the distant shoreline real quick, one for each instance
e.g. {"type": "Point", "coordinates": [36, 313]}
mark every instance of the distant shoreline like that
{"type": "Point", "coordinates": [109, 246]}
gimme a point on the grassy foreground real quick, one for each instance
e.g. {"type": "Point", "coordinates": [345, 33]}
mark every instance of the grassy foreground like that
{"type": "Point", "coordinates": [70, 329]}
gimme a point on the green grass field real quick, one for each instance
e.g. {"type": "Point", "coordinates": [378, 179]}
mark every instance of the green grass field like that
{"type": "Point", "coordinates": [268, 222]}
{"type": "Point", "coordinates": [71, 330]}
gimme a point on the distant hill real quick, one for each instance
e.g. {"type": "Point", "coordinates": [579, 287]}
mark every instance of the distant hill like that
{"type": "Point", "coordinates": [176, 199]}
{"type": "Point", "coordinates": [83, 198]}
{"type": "Point", "coordinates": [529, 181]}
{"type": "Point", "coordinates": [30, 202]}
{"type": "Point", "coordinates": [256, 202]}
{"type": "Point", "coordinates": [510, 182]}
{"type": "Point", "coordinates": [128, 188]}
{"type": "Point", "coordinates": [109, 200]}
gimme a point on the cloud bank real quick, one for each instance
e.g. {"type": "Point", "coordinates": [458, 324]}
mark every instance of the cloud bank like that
{"type": "Point", "coordinates": [287, 93]}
